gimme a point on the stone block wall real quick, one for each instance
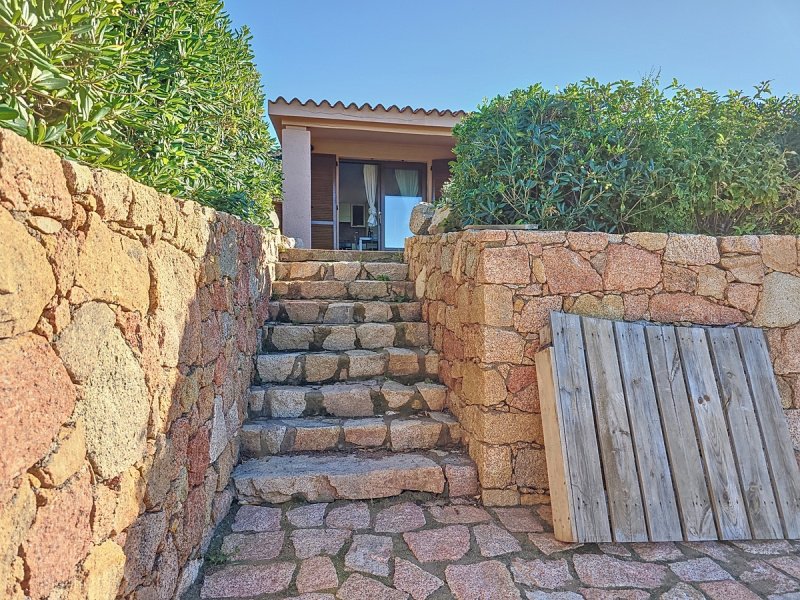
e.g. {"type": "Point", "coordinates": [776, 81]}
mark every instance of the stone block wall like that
{"type": "Point", "coordinates": [486, 295]}
{"type": "Point", "coordinates": [128, 324]}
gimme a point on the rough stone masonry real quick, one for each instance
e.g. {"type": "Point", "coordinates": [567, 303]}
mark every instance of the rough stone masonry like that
{"type": "Point", "coordinates": [128, 322]}
{"type": "Point", "coordinates": [128, 325]}
{"type": "Point", "coordinates": [486, 295]}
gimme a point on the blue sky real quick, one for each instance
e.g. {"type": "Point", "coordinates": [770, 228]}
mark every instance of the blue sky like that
{"type": "Point", "coordinates": [453, 54]}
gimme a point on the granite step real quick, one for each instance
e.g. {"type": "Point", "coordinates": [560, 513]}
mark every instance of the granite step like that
{"type": "Point", "coordinates": [338, 312]}
{"type": "Point", "coordinates": [316, 254]}
{"type": "Point", "coordinates": [360, 289]}
{"type": "Point", "coordinates": [315, 270]}
{"type": "Point", "coordinates": [408, 365]}
{"type": "Point", "coordinates": [352, 399]}
{"type": "Point", "coordinates": [283, 337]}
{"type": "Point", "coordinates": [360, 475]}
{"type": "Point", "coordinates": [398, 433]}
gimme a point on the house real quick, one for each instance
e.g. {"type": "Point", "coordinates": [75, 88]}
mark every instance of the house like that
{"type": "Point", "coordinates": [353, 173]}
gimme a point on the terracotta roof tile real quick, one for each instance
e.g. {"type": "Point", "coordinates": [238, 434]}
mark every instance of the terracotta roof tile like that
{"type": "Point", "coordinates": [369, 107]}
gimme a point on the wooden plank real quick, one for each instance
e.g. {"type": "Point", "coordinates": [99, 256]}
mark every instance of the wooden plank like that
{"type": "Point", "coordinates": [589, 506]}
{"type": "Point", "coordinates": [554, 447]}
{"type": "Point", "coordinates": [658, 494]}
{"type": "Point", "coordinates": [614, 433]}
{"type": "Point", "coordinates": [783, 467]}
{"type": "Point", "coordinates": [751, 462]}
{"type": "Point", "coordinates": [712, 431]}
{"type": "Point", "coordinates": [686, 464]}
{"type": "Point", "coordinates": [545, 336]}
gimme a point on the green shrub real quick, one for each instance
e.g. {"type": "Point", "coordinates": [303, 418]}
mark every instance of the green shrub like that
{"type": "Point", "coordinates": [622, 157]}
{"type": "Point", "coordinates": [164, 91]}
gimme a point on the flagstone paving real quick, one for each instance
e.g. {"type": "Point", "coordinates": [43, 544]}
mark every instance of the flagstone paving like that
{"type": "Point", "coordinates": [416, 546]}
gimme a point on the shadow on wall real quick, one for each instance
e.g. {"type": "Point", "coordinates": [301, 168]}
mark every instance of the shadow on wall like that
{"type": "Point", "coordinates": [128, 325]}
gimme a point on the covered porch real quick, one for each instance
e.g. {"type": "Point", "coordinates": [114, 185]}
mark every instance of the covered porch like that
{"type": "Point", "coordinates": [353, 173]}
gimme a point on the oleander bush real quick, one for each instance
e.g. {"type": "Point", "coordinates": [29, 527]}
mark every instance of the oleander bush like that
{"type": "Point", "coordinates": [163, 90]}
{"type": "Point", "coordinates": [622, 156]}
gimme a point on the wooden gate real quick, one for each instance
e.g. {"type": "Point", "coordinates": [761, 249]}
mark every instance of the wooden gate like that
{"type": "Point", "coordinates": [657, 433]}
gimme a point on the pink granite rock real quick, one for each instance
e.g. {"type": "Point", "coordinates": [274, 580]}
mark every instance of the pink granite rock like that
{"type": "Point", "coordinates": [257, 518]}
{"type": "Point", "coordinates": [763, 578]}
{"type": "Point", "coordinates": [311, 542]}
{"type": "Point", "coordinates": [313, 596]}
{"type": "Point", "coordinates": [353, 515]}
{"type": "Point", "coordinates": [462, 478]}
{"type": "Point", "coordinates": [727, 590]}
{"type": "Point", "coordinates": [60, 537]}
{"type": "Point", "coordinates": [682, 591]}
{"type": "Point", "coordinates": [668, 308]}
{"type": "Point", "coordinates": [548, 574]}
{"type": "Point", "coordinates": [32, 178]}
{"type": "Point", "coordinates": [307, 515]}
{"type": "Point", "coordinates": [713, 549]}
{"type": "Point", "coordinates": [699, 569]}
{"type": "Point", "coordinates": [519, 519]}
{"type": "Point", "coordinates": [494, 540]}
{"type": "Point", "coordinates": [765, 547]}
{"type": "Point", "coordinates": [358, 587]}
{"type": "Point", "coordinates": [743, 296]}
{"type": "Point", "coordinates": [657, 551]}
{"type": "Point", "coordinates": [444, 544]}
{"type": "Point", "coordinates": [547, 544]}
{"type": "Point", "coordinates": [509, 264]}
{"type": "Point", "coordinates": [247, 580]}
{"type": "Point", "coordinates": [400, 518]}
{"type": "Point", "coordinates": [629, 268]}
{"type": "Point", "coordinates": [316, 573]}
{"type": "Point", "coordinates": [689, 249]}
{"type": "Point", "coordinates": [587, 241]}
{"type": "Point", "coordinates": [604, 571]}
{"type": "Point", "coordinates": [31, 375]}
{"type": "Point", "coordinates": [369, 554]}
{"type": "Point", "coordinates": [597, 594]}
{"type": "Point", "coordinates": [614, 549]}
{"type": "Point", "coordinates": [568, 272]}
{"type": "Point", "coordinates": [787, 564]}
{"type": "Point", "coordinates": [410, 578]}
{"type": "Point", "coordinates": [535, 313]}
{"type": "Point", "coordinates": [253, 546]}
{"type": "Point", "coordinates": [453, 514]}
{"type": "Point", "coordinates": [488, 580]}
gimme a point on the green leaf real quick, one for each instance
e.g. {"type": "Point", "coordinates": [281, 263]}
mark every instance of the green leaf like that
{"type": "Point", "coordinates": [52, 83]}
{"type": "Point", "coordinates": [7, 113]}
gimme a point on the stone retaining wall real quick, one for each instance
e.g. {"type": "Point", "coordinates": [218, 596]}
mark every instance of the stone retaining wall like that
{"type": "Point", "coordinates": [128, 323]}
{"type": "Point", "coordinates": [487, 294]}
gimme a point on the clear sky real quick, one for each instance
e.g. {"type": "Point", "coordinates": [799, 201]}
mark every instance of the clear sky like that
{"type": "Point", "coordinates": [453, 54]}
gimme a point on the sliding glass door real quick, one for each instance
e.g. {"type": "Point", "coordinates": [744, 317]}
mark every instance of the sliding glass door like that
{"type": "Point", "coordinates": [403, 187]}
{"type": "Point", "coordinates": [375, 202]}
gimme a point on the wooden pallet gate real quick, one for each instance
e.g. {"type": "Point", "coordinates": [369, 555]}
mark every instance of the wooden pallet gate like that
{"type": "Point", "coordinates": [659, 433]}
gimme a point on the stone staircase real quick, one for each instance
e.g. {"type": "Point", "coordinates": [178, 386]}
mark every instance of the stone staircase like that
{"type": "Point", "coordinates": [347, 404]}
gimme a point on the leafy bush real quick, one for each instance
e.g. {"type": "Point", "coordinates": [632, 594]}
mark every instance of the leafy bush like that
{"type": "Point", "coordinates": [164, 91]}
{"type": "Point", "coordinates": [620, 157]}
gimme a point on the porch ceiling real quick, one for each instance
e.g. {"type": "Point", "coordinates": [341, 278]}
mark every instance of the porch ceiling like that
{"type": "Point", "coordinates": [323, 133]}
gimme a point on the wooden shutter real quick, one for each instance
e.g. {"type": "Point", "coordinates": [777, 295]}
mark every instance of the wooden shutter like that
{"type": "Point", "coordinates": [278, 206]}
{"type": "Point", "coordinates": [323, 178]}
{"type": "Point", "coordinates": [440, 172]}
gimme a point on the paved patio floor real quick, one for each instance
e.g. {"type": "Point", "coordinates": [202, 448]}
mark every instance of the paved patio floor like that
{"type": "Point", "coordinates": [417, 547]}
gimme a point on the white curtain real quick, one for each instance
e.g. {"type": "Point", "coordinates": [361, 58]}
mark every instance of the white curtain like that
{"type": "Point", "coordinates": [408, 182]}
{"type": "Point", "coordinates": [371, 187]}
